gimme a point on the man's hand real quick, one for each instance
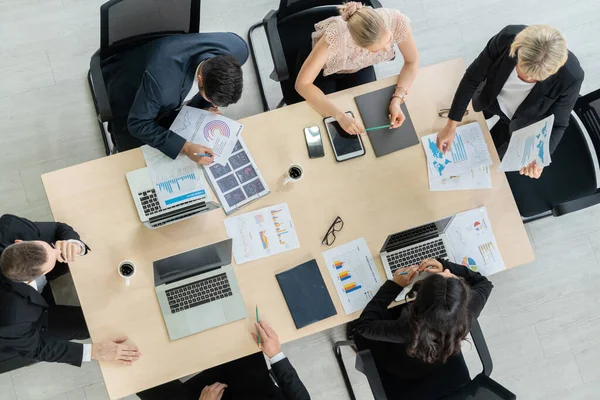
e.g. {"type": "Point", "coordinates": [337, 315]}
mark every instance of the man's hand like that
{"type": "Point", "coordinates": [68, 250]}
{"type": "Point", "coordinates": [214, 110]}
{"type": "Point", "coordinates": [404, 276]}
{"type": "Point", "coordinates": [213, 392]}
{"type": "Point", "coordinates": [269, 342]}
{"type": "Point", "coordinates": [445, 137]}
{"type": "Point", "coordinates": [397, 117]}
{"type": "Point", "coordinates": [120, 350]}
{"type": "Point", "coordinates": [431, 265]}
{"type": "Point", "coordinates": [532, 170]}
{"type": "Point", "coordinates": [350, 124]}
{"type": "Point", "coordinates": [191, 149]}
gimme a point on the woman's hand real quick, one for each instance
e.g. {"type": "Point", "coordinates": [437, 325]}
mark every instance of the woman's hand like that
{"type": "Point", "coordinates": [431, 265]}
{"type": "Point", "coordinates": [532, 170]}
{"type": "Point", "coordinates": [405, 276]}
{"type": "Point", "coordinates": [350, 124]}
{"type": "Point", "coordinates": [445, 137]}
{"type": "Point", "coordinates": [397, 117]}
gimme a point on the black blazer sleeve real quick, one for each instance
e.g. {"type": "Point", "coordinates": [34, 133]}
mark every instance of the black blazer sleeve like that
{"type": "Point", "coordinates": [289, 382]}
{"type": "Point", "coordinates": [141, 121]}
{"type": "Point", "coordinates": [481, 287]}
{"type": "Point", "coordinates": [374, 323]}
{"type": "Point", "coordinates": [562, 110]}
{"type": "Point", "coordinates": [26, 340]}
{"type": "Point", "coordinates": [478, 71]}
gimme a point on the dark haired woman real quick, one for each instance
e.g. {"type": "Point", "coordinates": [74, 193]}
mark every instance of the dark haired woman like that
{"type": "Point", "coordinates": [415, 340]}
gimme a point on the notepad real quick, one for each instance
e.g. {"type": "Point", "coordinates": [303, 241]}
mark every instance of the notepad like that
{"type": "Point", "coordinates": [305, 293]}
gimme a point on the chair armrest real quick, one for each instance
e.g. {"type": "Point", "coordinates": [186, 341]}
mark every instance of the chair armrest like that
{"type": "Point", "coordinates": [366, 364]}
{"type": "Point", "coordinates": [576, 205]}
{"type": "Point", "coordinates": [281, 72]}
{"type": "Point", "coordinates": [99, 89]}
{"type": "Point", "coordinates": [376, 4]}
{"type": "Point", "coordinates": [482, 349]}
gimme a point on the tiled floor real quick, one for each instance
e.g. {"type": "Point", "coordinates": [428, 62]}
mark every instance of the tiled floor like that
{"type": "Point", "coordinates": [542, 321]}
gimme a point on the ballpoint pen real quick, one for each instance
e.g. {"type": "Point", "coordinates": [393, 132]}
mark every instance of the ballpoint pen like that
{"type": "Point", "coordinates": [257, 331]}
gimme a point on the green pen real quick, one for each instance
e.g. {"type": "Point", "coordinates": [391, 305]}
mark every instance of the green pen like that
{"type": "Point", "coordinates": [257, 321]}
{"type": "Point", "coordinates": [377, 127]}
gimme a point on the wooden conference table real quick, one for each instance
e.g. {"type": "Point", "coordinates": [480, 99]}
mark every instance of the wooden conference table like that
{"type": "Point", "coordinates": [374, 196]}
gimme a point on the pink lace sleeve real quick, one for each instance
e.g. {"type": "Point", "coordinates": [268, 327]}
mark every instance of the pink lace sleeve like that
{"type": "Point", "coordinates": [399, 24]}
{"type": "Point", "coordinates": [332, 30]}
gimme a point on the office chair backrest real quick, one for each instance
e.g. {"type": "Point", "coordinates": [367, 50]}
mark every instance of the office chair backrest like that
{"type": "Point", "coordinates": [128, 23]}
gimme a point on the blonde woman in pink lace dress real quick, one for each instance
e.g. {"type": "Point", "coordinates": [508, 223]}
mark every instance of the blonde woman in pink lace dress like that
{"type": "Point", "coordinates": [345, 48]}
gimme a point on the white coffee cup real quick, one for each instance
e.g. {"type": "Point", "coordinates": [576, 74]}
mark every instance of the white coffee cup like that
{"type": "Point", "coordinates": [294, 173]}
{"type": "Point", "coordinates": [126, 271]}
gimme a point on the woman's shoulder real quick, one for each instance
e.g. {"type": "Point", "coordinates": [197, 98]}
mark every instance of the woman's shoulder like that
{"type": "Point", "coordinates": [398, 22]}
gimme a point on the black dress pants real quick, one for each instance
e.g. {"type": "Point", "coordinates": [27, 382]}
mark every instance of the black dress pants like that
{"type": "Point", "coordinates": [501, 131]}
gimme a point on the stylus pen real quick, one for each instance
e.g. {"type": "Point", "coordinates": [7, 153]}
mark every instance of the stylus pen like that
{"type": "Point", "coordinates": [257, 331]}
{"type": "Point", "coordinates": [202, 155]}
{"type": "Point", "coordinates": [377, 127]}
{"type": "Point", "coordinates": [406, 273]}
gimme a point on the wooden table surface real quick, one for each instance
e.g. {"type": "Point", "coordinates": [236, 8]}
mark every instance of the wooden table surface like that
{"type": "Point", "coordinates": [374, 196]}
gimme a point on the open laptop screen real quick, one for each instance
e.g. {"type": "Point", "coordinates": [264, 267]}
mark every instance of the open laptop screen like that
{"type": "Point", "coordinates": [192, 262]}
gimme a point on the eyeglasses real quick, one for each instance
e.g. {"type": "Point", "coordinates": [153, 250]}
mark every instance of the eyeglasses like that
{"type": "Point", "coordinates": [445, 111]}
{"type": "Point", "coordinates": [337, 226]}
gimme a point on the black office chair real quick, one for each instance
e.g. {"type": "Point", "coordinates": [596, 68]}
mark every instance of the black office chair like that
{"type": "Point", "coordinates": [482, 387]}
{"type": "Point", "coordinates": [125, 24]}
{"type": "Point", "coordinates": [289, 29]}
{"type": "Point", "coordinates": [570, 183]}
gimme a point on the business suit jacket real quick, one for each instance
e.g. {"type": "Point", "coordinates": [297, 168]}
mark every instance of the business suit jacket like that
{"type": "Point", "coordinates": [23, 311]}
{"type": "Point", "coordinates": [486, 76]}
{"type": "Point", "coordinates": [147, 81]}
{"type": "Point", "coordinates": [290, 385]}
{"type": "Point", "coordinates": [391, 334]}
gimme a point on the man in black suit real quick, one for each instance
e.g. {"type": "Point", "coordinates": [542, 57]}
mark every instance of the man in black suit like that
{"type": "Point", "coordinates": [148, 85]}
{"type": "Point", "coordinates": [245, 379]}
{"type": "Point", "coordinates": [32, 326]}
{"type": "Point", "coordinates": [523, 75]}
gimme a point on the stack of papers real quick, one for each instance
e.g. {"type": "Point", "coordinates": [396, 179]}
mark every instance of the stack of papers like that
{"type": "Point", "coordinates": [465, 166]}
{"type": "Point", "coordinates": [529, 144]}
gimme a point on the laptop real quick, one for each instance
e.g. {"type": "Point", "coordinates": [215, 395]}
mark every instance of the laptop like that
{"type": "Point", "coordinates": [148, 206]}
{"type": "Point", "coordinates": [412, 246]}
{"type": "Point", "coordinates": [197, 290]}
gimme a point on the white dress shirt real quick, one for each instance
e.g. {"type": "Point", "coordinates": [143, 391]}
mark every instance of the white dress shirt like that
{"type": "Point", "coordinates": [277, 357]}
{"type": "Point", "coordinates": [40, 283]}
{"type": "Point", "coordinates": [513, 93]}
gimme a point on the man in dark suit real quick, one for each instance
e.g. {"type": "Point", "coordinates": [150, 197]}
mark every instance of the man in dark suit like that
{"type": "Point", "coordinates": [32, 326]}
{"type": "Point", "coordinates": [523, 75]}
{"type": "Point", "coordinates": [245, 379]}
{"type": "Point", "coordinates": [148, 85]}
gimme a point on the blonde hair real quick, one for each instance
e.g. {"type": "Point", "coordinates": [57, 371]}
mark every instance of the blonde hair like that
{"type": "Point", "coordinates": [364, 24]}
{"type": "Point", "coordinates": [540, 50]}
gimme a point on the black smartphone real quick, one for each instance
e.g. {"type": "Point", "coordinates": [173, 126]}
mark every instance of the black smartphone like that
{"type": "Point", "coordinates": [314, 143]}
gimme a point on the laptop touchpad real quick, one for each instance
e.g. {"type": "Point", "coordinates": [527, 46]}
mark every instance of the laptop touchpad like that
{"type": "Point", "coordinates": [206, 316]}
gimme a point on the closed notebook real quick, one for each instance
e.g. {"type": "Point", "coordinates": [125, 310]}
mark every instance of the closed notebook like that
{"type": "Point", "coordinates": [305, 293]}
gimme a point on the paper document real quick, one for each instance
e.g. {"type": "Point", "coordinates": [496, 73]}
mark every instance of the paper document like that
{"type": "Point", "coordinates": [175, 181]}
{"type": "Point", "coordinates": [478, 178]}
{"type": "Point", "coordinates": [208, 129]}
{"type": "Point", "coordinates": [239, 181]}
{"type": "Point", "coordinates": [354, 274]}
{"type": "Point", "coordinates": [262, 233]}
{"type": "Point", "coordinates": [468, 151]}
{"type": "Point", "coordinates": [472, 242]}
{"type": "Point", "coordinates": [529, 144]}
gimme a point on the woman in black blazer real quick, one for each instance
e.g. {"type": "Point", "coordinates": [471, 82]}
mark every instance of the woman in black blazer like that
{"type": "Point", "coordinates": [413, 341]}
{"type": "Point", "coordinates": [523, 75]}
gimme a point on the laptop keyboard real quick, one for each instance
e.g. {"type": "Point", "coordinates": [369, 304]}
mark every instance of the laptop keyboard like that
{"type": "Point", "coordinates": [198, 293]}
{"type": "Point", "coordinates": [150, 203]}
{"type": "Point", "coordinates": [414, 255]}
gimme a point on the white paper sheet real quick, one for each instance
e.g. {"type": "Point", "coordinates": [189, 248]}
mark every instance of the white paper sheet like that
{"type": "Point", "coordinates": [478, 178]}
{"type": "Point", "coordinates": [468, 151]}
{"type": "Point", "coordinates": [472, 242]}
{"type": "Point", "coordinates": [529, 144]}
{"type": "Point", "coordinates": [354, 274]}
{"type": "Point", "coordinates": [208, 129]}
{"type": "Point", "coordinates": [175, 181]}
{"type": "Point", "coordinates": [262, 233]}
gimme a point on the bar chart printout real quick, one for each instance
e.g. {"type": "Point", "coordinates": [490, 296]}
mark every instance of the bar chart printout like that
{"type": "Point", "coordinates": [354, 274]}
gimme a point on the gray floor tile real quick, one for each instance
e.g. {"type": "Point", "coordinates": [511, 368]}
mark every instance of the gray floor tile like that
{"type": "Point", "coordinates": [551, 231]}
{"type": "Point", "coordinates": [13, 192]}
{"type": "Point", "coordinates": [439, 44]}
{"type": "Point", "coordinates": [32, 181]}
{"type": "Point", "coordinates": [7, 389]}
{"type": "Point", "coordinates": [512, 348]}
{"type": "Point", "coordinates": [78, 394]}
{"type": "Point", "coordinates": [588, 391]}
{"type": "Point", "coordinates": [96, 391]}
{"type": "Point", "coordinates": [587, 361]}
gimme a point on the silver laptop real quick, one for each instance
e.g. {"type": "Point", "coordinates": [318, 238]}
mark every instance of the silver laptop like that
{"type": "Point", "coordinates": [412, 246]}
{"type": "Point", "coordinates": [197, 290]}
{"type": "Point", "coordinates": [148, 206]}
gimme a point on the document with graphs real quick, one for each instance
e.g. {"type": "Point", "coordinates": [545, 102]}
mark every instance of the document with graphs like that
{"type": "Point", "coordinates": [529, 144]}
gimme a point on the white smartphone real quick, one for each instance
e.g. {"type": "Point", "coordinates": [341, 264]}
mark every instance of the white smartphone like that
{"type": "Point", "coordinates": [345, 146]}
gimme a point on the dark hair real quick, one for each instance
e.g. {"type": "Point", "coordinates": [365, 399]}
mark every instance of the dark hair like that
{"type": "Point", "coordinates": [222, 80]}
{"type": "Point", "coordinates": [23, 261]}
{"type": "Point", "coordinates": [439, 318]}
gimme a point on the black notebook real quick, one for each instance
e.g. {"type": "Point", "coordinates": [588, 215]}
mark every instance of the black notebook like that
{"type": "Point", "coordinates": [305, 293]}
{"type": "Point", "coordinates": [374, 111]}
